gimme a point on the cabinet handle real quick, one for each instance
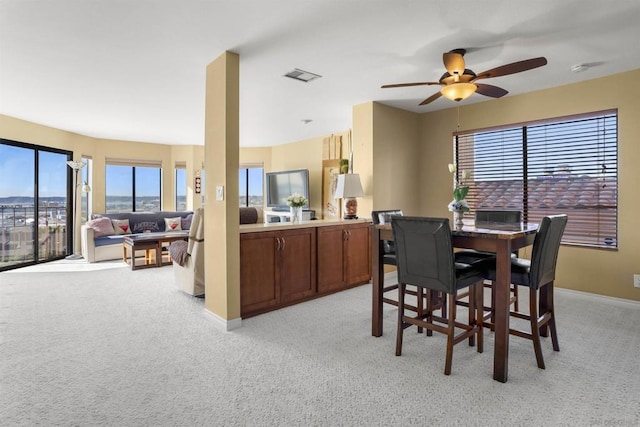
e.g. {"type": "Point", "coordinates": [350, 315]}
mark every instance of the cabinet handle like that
{"type": "Point", "coordinates": [284, 243]}
{"type": "Point", "coordinates": [277, 243]}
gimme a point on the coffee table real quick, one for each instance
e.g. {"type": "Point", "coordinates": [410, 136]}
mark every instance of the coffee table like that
{"type": "Point", "coordinates": [151, 243]}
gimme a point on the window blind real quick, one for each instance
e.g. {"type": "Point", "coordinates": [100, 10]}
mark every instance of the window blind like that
{"type": "Point", "coordinates": [565, 165]}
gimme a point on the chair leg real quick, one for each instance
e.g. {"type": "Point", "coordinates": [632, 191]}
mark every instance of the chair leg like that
{"type": "Point", "coordinates": [535, 331]}
{"type": "Point", "coordinates": [514, 289]}
{"type": "Point", "coordinates": [420, 305]}
{"type": "Point", "coordinates": [493, 306]}
{"type": "Point", "coordinates": [543, 305]}
{"type": "Point", "coordinates": [450, 334]}
{"type": "Point", "coordinates": [480, 315]}
{"type": "Point", "coordinates": [473, 309]}
{"type": "Point", "coordinates": [552, 320]}
{"type": "Point", "coordinates": [431, 297]}
{"type": "Point", "coordinates": [401, 291]}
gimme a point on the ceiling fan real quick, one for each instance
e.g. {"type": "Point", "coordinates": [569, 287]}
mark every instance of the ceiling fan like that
{"type": "Point", "coordinates": [459, 82]}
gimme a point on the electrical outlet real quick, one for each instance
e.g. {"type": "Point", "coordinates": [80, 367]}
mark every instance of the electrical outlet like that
{"type": "Point", "coordinates": [636, 280]}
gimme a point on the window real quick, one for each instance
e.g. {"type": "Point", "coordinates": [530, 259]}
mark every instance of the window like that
{"type": "Point", "coordinates": [566, 165]}
{"type": "Point", "coordinates": [250, 183]}
{"type": "Point", "coordinates": [181, 187]}
{"type": "Point", "coordinates": [133, 188]}
{"type": "Point", "coordinates": [35, 204]}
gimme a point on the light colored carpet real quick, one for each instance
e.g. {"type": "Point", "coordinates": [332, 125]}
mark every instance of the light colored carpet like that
{"type": "Point", "coordinates": [94, 345]}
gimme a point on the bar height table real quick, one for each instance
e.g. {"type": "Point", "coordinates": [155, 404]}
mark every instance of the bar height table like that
{"type": "Point", "coordinates": [502, 239]}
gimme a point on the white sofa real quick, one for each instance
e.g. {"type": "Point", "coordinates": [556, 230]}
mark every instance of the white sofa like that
{"type": "Point", "coordinates": [110, 247]}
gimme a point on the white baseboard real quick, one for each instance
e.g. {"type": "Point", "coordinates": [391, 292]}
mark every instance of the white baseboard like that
{"type": "Point", "coordinates": [223, 324]}
{"type": "Point", "coordinates": [597, 296]}
{"type": "Point", "coordinates": [392, 276]}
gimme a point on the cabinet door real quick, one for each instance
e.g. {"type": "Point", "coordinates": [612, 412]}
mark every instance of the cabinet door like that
{"type": "Point", "coordinates": [296, 266]}
{"type": "Point", "coordinates": [258, 257]}
{"type": "Point", "coordinates": [331, 258]}
{"type": "Point", "coordinates": [358, 254]}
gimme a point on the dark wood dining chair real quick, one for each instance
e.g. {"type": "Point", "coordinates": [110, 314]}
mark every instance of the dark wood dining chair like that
{"type": "Point", "coordinates": [389, 258]}
{"type": "Point", "coordinates": [538, 274]}
{"type": "Point", "coordinates": [487, 218]}
{"type": "Point", "coordinates": [425, 259]}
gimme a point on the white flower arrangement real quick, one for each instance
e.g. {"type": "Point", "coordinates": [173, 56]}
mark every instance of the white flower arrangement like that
{"type": "Point", "coordinates": [459, 203]}
{"type": "Point", "coordinates": [296, 200]}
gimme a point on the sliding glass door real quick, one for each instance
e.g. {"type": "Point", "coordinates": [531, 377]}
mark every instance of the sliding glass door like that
{"type": "Point", "coordinates": [52, 206]}
{"type": "Point", "coordinates": [34, 204]}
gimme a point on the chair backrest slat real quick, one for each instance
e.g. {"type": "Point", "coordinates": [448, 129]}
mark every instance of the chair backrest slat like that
{"type": "Point", "coordinates": [384, 217]}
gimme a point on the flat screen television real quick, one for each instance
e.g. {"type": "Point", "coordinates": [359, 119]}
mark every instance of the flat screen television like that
{"type": "Point", "coordinates": [281, 185]}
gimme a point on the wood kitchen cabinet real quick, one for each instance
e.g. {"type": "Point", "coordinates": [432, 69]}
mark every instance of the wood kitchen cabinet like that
{"type": "Point", "coordinates": [276, 269]}
{"type": "Point", "coordinates": [344, 258]}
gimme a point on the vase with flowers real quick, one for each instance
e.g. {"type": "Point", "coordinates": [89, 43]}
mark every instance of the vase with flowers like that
{"type": "Point", "coordinates": [296, 202]}
{"type": "Point", "coordinates": [459, 203]}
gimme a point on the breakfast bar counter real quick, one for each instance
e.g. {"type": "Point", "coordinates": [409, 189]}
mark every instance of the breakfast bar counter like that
{"type": "Point", "coordinates": [283, 263]}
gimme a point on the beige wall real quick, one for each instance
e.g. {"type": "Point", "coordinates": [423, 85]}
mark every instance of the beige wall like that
{"type": "Point", "coordinates": [387, 156]}
{"type": "Point", "coordinates": [591, 270]}
{"type": "Point", "coordinates": [395, 133]}
{"type": "Point", "coordinates": [306, 154]}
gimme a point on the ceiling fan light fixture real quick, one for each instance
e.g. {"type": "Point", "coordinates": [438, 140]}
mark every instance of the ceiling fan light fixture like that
{"type": "Point", "coordinates": [458, 91]}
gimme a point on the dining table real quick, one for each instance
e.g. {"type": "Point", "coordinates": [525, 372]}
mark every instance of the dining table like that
{"type": "Point", "coordinates": [499, 238]}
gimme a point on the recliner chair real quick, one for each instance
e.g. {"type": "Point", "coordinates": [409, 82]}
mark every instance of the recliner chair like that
{"type": "Point", "coordinates": [188, 258]}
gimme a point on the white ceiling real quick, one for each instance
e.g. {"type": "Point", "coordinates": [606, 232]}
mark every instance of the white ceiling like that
{"type": "Point", "coordinates": [135, 70]}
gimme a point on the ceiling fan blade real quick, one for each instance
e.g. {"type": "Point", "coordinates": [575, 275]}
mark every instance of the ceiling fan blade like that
{"type": "Point", "coordinates": [514, 67]}
{"type": "Point", "coordinates": [490, 90]}
{"type": "Point", "coordinates": [454, 62]}
{"type": "Point", "coordinates": [431, 98]}
{"type": "Point", "coordinates": [409, 84]}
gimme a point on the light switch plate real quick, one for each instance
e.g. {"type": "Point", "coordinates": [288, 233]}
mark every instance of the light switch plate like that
{"type": "Point", "coordinates": [636, 280]}
{"type": "Point", "coordinates": [219, 192]}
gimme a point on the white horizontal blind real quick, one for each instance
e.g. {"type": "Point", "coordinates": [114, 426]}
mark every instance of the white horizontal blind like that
{"type": "Point", "coordinates": [133, 162]}
{"type": "Point", "coordinates": [567, 165]}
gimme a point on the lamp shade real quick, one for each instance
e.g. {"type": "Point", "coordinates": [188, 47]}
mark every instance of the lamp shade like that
{"type": "Point", "coordinates": [348, 186]}
{"type": "Point", "coordinates": [76, 164]}
{"type": "Point", "coordinates": [458, 91]}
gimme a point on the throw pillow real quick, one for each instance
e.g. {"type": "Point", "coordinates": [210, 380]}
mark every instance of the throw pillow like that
{"type": "Point", "coordinates": [144, 226]}
{"type": "Point", "coordinates": [101, 227]}
{"type": "Point", "coordinates": [121, 226]}
{"type": "Point", "coordinates": [172, 224]}
{"type": "Point", "coordinates": [185, 223]}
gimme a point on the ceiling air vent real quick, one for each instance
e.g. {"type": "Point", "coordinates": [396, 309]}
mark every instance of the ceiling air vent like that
{"type": "Point", "coordinates": [303, 76]}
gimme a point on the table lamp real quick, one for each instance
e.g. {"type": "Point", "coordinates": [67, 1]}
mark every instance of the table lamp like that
{"type": "Point", "coordinates": [348, 188]}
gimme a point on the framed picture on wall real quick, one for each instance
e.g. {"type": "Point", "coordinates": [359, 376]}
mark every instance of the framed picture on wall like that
{"type": "Point", "coordinates": [330, 205]}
